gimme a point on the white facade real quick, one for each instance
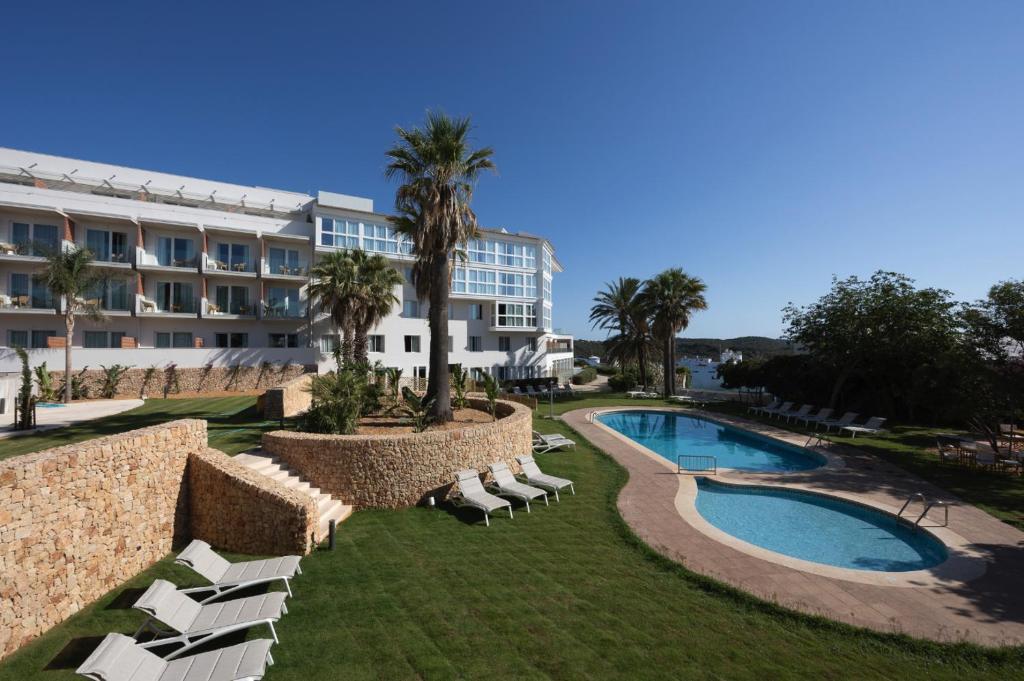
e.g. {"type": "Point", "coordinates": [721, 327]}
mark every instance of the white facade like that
{"type": "Point", "coordinates": [209, 272]}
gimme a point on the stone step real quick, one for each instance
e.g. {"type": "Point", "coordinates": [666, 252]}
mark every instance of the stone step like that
{"type": "Point", "coordinates": [338, 512]}
{"type": "Point", "coordinates": [256, 461]}
{"type": "Point", "coordinates": [324, 502]}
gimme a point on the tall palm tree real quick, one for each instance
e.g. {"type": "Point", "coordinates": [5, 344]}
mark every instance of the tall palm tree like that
{"type": "Point", "coordinates": [70, 274]}
{"type": "Point", "coordinates": [619, 309]}
{"type": "Point", "coordinates": [438, 171]}
{"type": "Point", "coordinates": [670, 299]}
{"type": "Point", "coordinates": [376, 280]}
{"type": "Point", "coordinates": [335, 290]}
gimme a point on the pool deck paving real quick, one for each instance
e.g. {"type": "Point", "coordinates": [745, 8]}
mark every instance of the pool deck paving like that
{"type": "Point", "coordinates": [974, 596]}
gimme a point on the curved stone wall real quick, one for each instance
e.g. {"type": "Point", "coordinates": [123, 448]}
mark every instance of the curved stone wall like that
{"type": "Point", "coordinates": [394, 471]}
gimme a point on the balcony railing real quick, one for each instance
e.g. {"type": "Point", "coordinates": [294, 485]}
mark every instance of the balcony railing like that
{"type": "Point", "coordinates": [559, 346]}
{"type": "Point", "coordinates": [282, 312]}
{"type": "Point", "coordinates": [294, 268]}
{"type": "Point", "coordinates": [215, 265]}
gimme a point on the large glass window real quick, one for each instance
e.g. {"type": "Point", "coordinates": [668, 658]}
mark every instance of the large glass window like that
{"type": "Point", "coordinates": [182, 339]}
{"type": "Point", "coordinates": [547, 261]}
{"type": "Point", "coordinates": [384, 239]}
{"type": "Point", "coordinates": [411, 309]}
{"type": "Point", "coordinates": [481, 250]}
{"type": "Point", "coordinates": [39, 338]}
{"type": "Point", "coordinates": [283, 302]}
{"type": "Point", "coordinates": [547, 288]}
{"type": "Point", "coordinates": [110, 294]}
{"type": "Point", "coordinates": [231, 340]}
{"type": "Point", "coordinates": [517, 285]}
{"type": "Point", "coordinates": [35, 239]}
{"type": "Point", "coordinates": [412, 343]}
{"type": "Point", "coordinates": [339, 233]}
{"type": "Point", "coordinates": [175, 252]}
{"type": "Point", "coordinates": [285, 261]}
{"type": "Point", "coordinates": [283, 340]}
{"type": "Point", "coordinates": [107, 246]}
{"type": "Point", "coordinates": [95, 339]}
{"type": "Point", "coordinates": [25, 292]}
{"type": "Point", "coordinates": [328, 344]}
{"type": "Point", "coordinates": [516, 315]}
{"type": "Point", "coordinates": [233, 300]}
{"type": "Point", "coordinates": [17, 339]}
{"type": "Point", "coordinates": [175, 297]}
{"type": "Point", "coordinates": [376, 343]}
{"type": "Point", "coordinates": [234, 257]}
{"type": "Point", "coordinates": [476, 344]}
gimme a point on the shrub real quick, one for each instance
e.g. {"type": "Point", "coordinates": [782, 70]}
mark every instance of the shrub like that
{"type": "Point", "coordinates": [45, 388]}
{"type": "Point", "coordinates": [627, 380]}
{"type": "Point", "coordinates": [24, 411]}
{"type": "Point", "coordinates": [338, 398]}
{"type": "Point", "coordinates": [585, 376]}
{"type": "Point", "coordinates": [79, 388]}
{"type": "Point", "coordinates": [459, 377]}
{"type": "Point", "coordinates": [606, 370]}
{"type": "Point", "coordinates": [491, 391]}
{"type": "Point", "coordinates": [112, 377]}
{"type": "Point", "coordinates": [417, 409]}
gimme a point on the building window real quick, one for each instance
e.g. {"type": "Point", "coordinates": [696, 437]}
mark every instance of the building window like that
{"type": "Point", "coordinates": [107, 246]}
{"type": "Point", "coordinates": [419, 372]}
{"type": "Point", "coordinates": [178, 339]}
{"type": "Point", "coordinates": [95, 339]}
{"type": "Point", "coordinates": [504, 343]}
{"type": "Point", "coordinates": [411, 309]}
{"type": "Point", "coordinates": [547, 261]}
{"type": "Point", "coordinates": [111, 294]}
{"type": "Point", "coordinates": [409, 279]}
{"type": "Point", "coordinates": [39, 338]}
{"type": "Point", "coordinates": [476, 344]}
{"type": "Point", "coordinates": [339, 233]}
{"type": "Point", "coordinates": [175, 252]}
{"type": "Point", "coordinates": [283, 303]}
{"type": "Point", "coordinates": [234, 257]}
{"type": "Point", "coordinates": [175, 297]}
{"type": "Point", "coordinates": [233, 300]}
{"type": "Point", "coordinates": [328, 344]}
{"type": "Point", "coordinates": [547, 289]}
{"type": "Point", "coordinates": [547, 317]}
{"type": "Point", "coordinates": [515, 315]}
{"type": "Point", "coordinates": [376, 343]}
{"type": "Point", "coordinates": [476, 311]}
{"type": "Point", "coordinates": [412, 343]}
{"type": "Point", "coordinates": [517, 285]}
{"type": "Point", "coordinates": [531, 344]}
{"type": "Point", "coordinates": [478, 374]}
{"type": "Point", "coordinates": [284, 261]}
{"type": "Point", "coordinates": [502, 373]}
{"type": "Point", "coordinates": [26, 292]}
{"type": "Point", "coordinates": [283, 340]}
{"type": "Point", "coordinates": [31, 239]}
{"type": "Point", "coordinates": [231, 340]}
{"type": "Point", "coordinates": [384, 239]}
{"type": "Point", "coordinates": [17, 339]}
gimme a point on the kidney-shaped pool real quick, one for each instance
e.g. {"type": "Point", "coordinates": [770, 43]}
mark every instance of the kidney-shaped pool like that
{"type": "Point", "coordinates": [817, 528]}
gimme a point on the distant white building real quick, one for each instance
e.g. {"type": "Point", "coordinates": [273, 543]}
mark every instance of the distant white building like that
{"type": "Point", "coordinates": [593, 360]}
{"type": "Point", "coordinates": [730, 357]}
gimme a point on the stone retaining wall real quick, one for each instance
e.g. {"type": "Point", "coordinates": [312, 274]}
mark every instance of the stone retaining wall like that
{"type": "Point", "coordinates": [394, 471]}
{"type": "Point", "coordinates": [164, 380]}
{"type": "Point", "coordinates": [235, 508]}
{"type": "Point", "coordinates": [289, 399]}
{"type": "Point", "coordinates": [78, 520]}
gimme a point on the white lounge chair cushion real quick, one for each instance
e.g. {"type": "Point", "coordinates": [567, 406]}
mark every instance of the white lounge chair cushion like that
{"type": "Point", "coordinates": [534, 475]}
{"type": "Point", "coordinates": [119, 658]}
{"type": "Point", "coordinates": [249, 609]}
{"type": "Point", "coordinates": [200, 557]}
{"type": "Point", "coordinates": [507, 483]}
{"type": "Point", "coordinates": [164, 602]}
{"type": "Point", "coordinates": [474, 493]}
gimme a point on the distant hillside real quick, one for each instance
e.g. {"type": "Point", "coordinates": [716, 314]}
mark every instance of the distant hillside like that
{"type": "Point", "coordinates": [750, 346]}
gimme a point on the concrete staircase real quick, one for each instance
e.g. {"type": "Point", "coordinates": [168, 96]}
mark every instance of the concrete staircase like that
{"type": "Point", "coordinates": [274, 468]}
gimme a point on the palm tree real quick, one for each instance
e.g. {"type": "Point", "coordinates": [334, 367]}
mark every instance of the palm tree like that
{"type": "Point", "coordinates": [335, 290]}
{"type": "Point", "coordinates": [619, 309]}
{"type": "Point", "coordinates": [670, 299]}
{"type": "Point", "coordinates": [376, 281]}
{"type": "Point", "coordinates": [438, 171]}
{"type": "Point", "coordinates": [70, 274]}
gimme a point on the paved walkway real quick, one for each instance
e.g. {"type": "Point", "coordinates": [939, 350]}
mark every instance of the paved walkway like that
{"type": "Point", "coordinates": [50, 418]}
{"type": "Point", "coordinates": [986, 609]}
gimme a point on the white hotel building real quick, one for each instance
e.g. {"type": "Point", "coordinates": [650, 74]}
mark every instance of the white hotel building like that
{"type": "Point", "coordinates": [210, 273]}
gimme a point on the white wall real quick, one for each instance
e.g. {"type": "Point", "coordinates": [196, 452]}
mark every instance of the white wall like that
{"type": "Point", "coordinates": [162, 357]}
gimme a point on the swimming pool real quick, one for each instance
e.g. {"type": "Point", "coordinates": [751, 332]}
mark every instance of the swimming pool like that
{"type": "Point", "coordinates": [817, 528]}
{"type": "Point", "coordinates": [671, 434]}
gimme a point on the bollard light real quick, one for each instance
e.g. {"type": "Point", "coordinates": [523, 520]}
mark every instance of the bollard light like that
{"type": "Point", "coordinates": [331, 525]}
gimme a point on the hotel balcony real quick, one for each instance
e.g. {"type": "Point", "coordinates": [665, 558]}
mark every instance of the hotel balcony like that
{"type": "Point", "coordinates": [558, 346]}
{"type": "Point", "coordinates": [229, 310]}
{"type": "Point", "coordinates": [285, 270]}
{"type": "Point", "coordinates": [281, 312]}
{"type": "Point", "coordinates": [25, 304]}
{"type": "Point", "coordinates": [174, 307]}
{"type": "Point", "coordinates": [22, 252]}
{"type": "Point", "coordinates": [146, 261]}
{"type": "Point", "coordinates": [230, 268]}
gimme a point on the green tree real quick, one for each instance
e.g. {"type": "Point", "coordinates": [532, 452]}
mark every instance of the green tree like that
{"type": "Point", "coordinates": [376, 280]}
{"type": "Point", "coordinates": [670, 299]}
{"type": "Point", "coordinates": [884, 334]}
{"type": "Point", "coordinates": [335, 289]}
{"type": "Point", "coordinates": [619, 308]}
{"type": "Point", "coordinates": [70, 275]}
{"type": "Point", "coordinates": [995, 332]}
{"type": "Point", "coordinates": [438, 171]}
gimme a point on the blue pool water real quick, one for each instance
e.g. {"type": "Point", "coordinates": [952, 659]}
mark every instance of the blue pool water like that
{"type": "Point", "coordinates": [817, 528]}
{"type": "Point", "coordinates": [49, 405]}
{"type": "Point", "coordinates": [670, 435]}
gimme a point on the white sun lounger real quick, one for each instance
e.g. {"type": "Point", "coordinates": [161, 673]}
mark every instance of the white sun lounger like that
{"type": "Point", "coordinates": [799, 413]}
{"type": "Point", "coordinates": [533, 475]}
{"type": "Point", "coordinates": [758, 409]}
{"type": "Point", "coordinates": [120, 658]}
{"type": "Point", "coordinates": [546, 443]}
{"type": "Point", "coordinates": [874, 425]}
{"type": "Point", "coordinates": [847, 419]}
{"type": "Point", "coordinates": [226, 576]}
{"type": "Point", "coordinates": [781, 409]}
{"type": "Point", "coordinates": [193, 624]}
{"type": "Point", "coordinates": [472, 493]}
{"type": "Point", "coordinates": [822, 415]}
{"type": "Point", "coordinates": [506, 485]}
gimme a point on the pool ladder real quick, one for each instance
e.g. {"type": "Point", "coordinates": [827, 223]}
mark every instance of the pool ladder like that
{"type": "Point", "coordinates": [928, 505]}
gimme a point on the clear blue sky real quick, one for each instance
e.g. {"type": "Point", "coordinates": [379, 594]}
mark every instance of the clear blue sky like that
{"type": "Point", "coordinates": [762, 146]}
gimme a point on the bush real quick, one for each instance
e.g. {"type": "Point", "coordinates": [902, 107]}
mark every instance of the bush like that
{"type": "Point", "coordinates": [338, 398]}
{"type": "Point", "coordinates": [606, 370]}
{"type": "Point", "coordinates": [623, 382]}
{"type": "Point", "coordinates": [585, 376]}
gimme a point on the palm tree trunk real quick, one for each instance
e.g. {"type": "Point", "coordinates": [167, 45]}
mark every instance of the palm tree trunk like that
{"type": "Point", "coordinates": [642, 358]}
{"type": "Point", "coordinates": [347, 332]}
{"type": "Point", "coordinates": [667, 365]}
{"type": "Point", "coordinates": [361, 344]}
{"type": "Point", "coordinates": [672, 364]}
{"type": "Point", "coordinates": [69, 330]}
{"type": "Point", "coordinates": [438, 387]}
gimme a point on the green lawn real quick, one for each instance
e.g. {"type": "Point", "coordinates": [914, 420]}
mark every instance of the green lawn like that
{"type": "Point", "coordinates": [999, 494]}
{"type": "Point", "coordinates": [563, 592]}
{"type": "Point", "coordinates": [234, 424]}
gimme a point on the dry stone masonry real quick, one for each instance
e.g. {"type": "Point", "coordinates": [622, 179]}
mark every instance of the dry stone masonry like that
{"type": "Point", "coordinates": [161, 381]}
{"type": "Point", "coordinates": [394, 471]}
{"type": "Point", "coordinates": [288, 399]}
